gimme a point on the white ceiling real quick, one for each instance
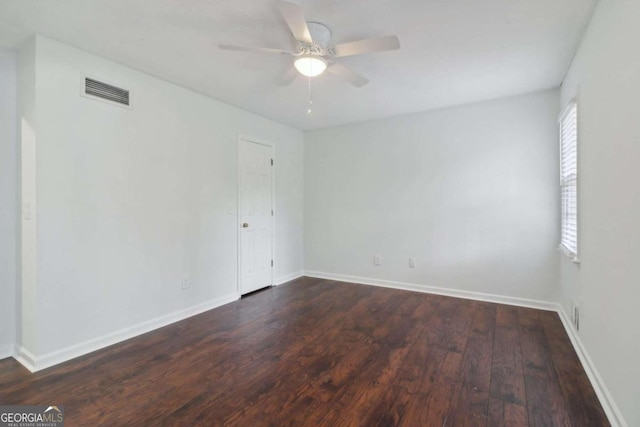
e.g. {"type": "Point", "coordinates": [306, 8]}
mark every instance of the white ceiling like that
{"type": "Point", "coordinates": [452, 51]}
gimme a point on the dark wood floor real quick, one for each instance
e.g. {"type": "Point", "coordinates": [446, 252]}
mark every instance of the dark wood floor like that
{"type": "Point", "coordinates": [321, 353]}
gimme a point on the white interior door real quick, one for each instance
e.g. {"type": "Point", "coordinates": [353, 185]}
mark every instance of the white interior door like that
{"type": "Point", "coordinates": [255, 215]}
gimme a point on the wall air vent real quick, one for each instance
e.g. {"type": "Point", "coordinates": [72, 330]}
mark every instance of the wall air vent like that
{"type": "Point", "coordinates": [107, 92]}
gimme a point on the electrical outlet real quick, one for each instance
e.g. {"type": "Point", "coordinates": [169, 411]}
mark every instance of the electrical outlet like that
{"type": "Point", "coordinates": [377, 260]}
{"type": "Point", "coordinates": [185, 282]}
{"type": "Point", "coordinates": [412, 263]}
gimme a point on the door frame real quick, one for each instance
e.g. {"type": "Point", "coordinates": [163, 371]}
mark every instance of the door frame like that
{"type": "Point", "coordinates": [243, 137]}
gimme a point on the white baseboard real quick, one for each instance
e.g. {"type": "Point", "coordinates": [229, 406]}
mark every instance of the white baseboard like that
{"type": "Point", "coordinates": [478, 296]}
{"type": "Point", "coordinates": [606, 400]}
{"type": "Point", "coordinates": [25, 358]}
{"type": "Point", "coordinates": [6, 351]}
{"type": "Point", "coordinates": [287, 278]}
{"type": "Point", "coordinates": [37, 363]}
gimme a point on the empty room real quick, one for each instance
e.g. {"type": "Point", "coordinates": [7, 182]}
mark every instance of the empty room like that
{"type": "Point", "coordinates": [319, 213]}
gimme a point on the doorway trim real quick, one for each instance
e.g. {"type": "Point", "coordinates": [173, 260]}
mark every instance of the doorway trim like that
{"type": "Point", "coordinates": [243, 137]}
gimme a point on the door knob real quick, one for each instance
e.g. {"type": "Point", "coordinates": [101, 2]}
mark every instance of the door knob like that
{"type": "Point", "coordinates": [245, 224]}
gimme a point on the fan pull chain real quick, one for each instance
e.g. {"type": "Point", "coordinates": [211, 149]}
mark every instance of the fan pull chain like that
{"type": "Point", "coordinates": [310, 98]}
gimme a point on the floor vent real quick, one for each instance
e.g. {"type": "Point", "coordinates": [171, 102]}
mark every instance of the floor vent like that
{"type": "Point", "coordinates": [106, 91]}
{"type": "Point", "coordinates": [575, 316]}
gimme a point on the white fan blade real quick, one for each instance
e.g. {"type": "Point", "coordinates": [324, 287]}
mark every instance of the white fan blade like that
{"type": "Point", "coordinates": [366, 46]}
{"type": "Point", "coordinates": [288, 77]}
{"type": "Point", "coordinates": [252, 49]}
{"type": "Point", "coordinates": [293, 15]}
{"type": "Point", "coordinates": [346, 74]}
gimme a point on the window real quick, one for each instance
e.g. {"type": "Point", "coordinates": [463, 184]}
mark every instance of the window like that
{"type": "Point", "coordinates": [569, 181]}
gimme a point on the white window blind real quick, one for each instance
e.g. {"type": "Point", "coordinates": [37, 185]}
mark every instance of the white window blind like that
{"type": "Point", "coordinates": [569, 180]}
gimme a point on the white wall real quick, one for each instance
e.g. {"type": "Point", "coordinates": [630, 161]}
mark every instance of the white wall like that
{"type": "Point", "coordinates": [470, 192]}
{"type": "Point", "coordinates": [8, 199]}
{"type": "Point", "coordinates": [130, 200]}
{"type": "Point", "coordinates": [289, 183]}
{"type": "Point", "coordinates": [26, 327]}
{"type": "Point", "coordinates": [605, 76]}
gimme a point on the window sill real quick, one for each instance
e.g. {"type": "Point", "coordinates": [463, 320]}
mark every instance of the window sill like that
{"type": "Point", "coordinates": [572, 257]}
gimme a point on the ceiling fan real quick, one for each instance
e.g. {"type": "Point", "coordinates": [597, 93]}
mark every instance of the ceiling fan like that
{"type": "Point", "coordinates": [313, 55]}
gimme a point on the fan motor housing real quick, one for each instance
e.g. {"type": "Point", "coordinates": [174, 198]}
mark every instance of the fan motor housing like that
{"type": "Point", "coordinates": [320, 33]}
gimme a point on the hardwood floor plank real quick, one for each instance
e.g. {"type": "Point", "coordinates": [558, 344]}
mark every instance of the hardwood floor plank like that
{"type": "Point", "coordinates": [437, 389]}
{"type": "Point", "coordinates": [529, 318]}
{"type": "Point", "coordinates": [430, 408]}
{"type": "Point", "coordinates": [507, 374]}
{"type": "Point", "coordinates": [470, 404]}
{"type": "Point", "coordinates": [364, 393]}
{"type": "Point", "coordinates": [314, 359]}
{"type": "Point", "coordinates": [324, 353]}
{"type": "Point", "coordinates": [457, 326]}
{"type": "Point", "coordinates": [577, 392]}
{"type": "Point", "coordinates": [507, 414]}
{"type": "Point", "coordinates": [412, 377]}
{"type": "Point", "coordinates": [392, 405]}
{"type": "Point", "coordinates": [535, 352]}
{"type": "Point", "coordinates": [506, 316]}
{"type": "Point", "coordinates": [348, 371]}
{"type": "Point", "coordinates": [544, 402]}
{"type": "Point", "coordinates": [484, 321]}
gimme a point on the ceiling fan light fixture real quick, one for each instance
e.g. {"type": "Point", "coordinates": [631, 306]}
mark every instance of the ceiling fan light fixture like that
{"type": "Point", "coordinates": [310, 65]}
